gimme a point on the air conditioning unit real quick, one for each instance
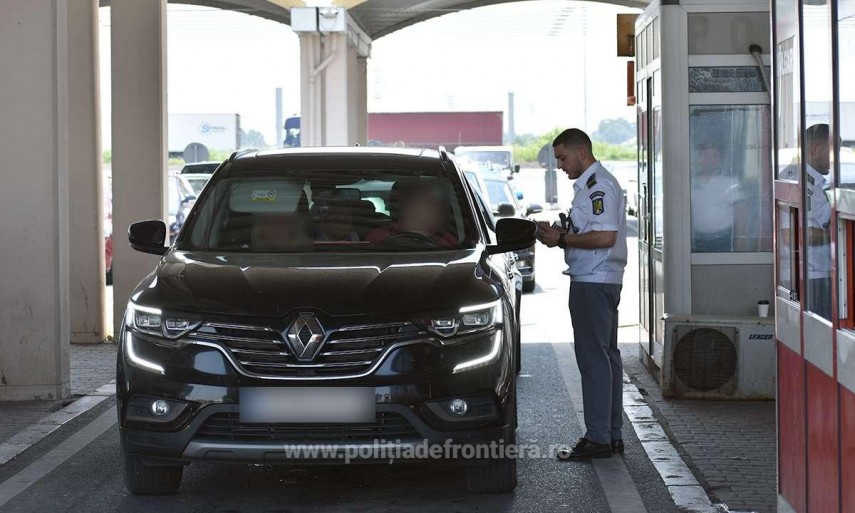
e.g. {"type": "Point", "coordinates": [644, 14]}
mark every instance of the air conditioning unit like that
{"type": "Point", "coordinates": [711, 357]}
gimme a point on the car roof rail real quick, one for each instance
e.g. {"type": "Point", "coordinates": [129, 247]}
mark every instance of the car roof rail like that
{"type": "Point", "coordinates": [443, 154]}
{"type": "Point", "coordinates": [241, 153]}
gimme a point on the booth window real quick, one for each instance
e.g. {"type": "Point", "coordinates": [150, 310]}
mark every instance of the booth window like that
{"type": "Point", "coordinates": [817, 148]}
{"type": "Point", "coordinates": [730, 178]}
{"type": "Point", "coordinates": [788, 238]}
{"type": "Point", "coordinates": [846, 273]}
{"type": "Point", "coordinates": [787, 90]}
{"type": "Point", "coordinates": [845, 65]}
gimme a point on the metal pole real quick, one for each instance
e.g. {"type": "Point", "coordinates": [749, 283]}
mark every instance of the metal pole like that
{"type": "Point", "coordinates": [512, 136]}
{"type": "Point", "coordinates": [279, 121]}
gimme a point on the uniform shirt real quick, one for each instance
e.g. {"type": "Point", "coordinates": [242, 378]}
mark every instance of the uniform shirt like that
{"type": "Point", "coordinates": [713, 200]}
{"type": "Point", "coordinates": [598, 206]}
{"type": "Point", "coordinates": [818, 216]}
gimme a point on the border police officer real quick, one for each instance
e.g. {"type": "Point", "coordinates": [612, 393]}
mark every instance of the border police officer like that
{"type": "Point", "coordinates": [594, 242]}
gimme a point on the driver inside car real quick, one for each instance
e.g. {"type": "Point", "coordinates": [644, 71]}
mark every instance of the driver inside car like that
{"type": "Point", "coordinates": [420, 209]}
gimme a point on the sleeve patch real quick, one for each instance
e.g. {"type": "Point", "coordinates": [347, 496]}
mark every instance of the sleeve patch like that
{"type": "Point", "coordinates": [598, 194]}
{"type": "Point", "coordinates": [599, 206]}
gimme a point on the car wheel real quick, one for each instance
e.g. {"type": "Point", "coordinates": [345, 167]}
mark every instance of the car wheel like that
{"type": "Point", "coordinates": [499, 475]}
{"type": "Point", "coordinates": [518, 346]}
{"type": "Point", "coordinates": [528, 285]}
{"type": "Point", "coordinates": [109, 279]}
{"type": "Point", "coordinates": [141, 479]}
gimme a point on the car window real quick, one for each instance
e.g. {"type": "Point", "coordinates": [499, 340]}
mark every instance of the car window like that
{"type": "Point", "coordinates": [335, 210]}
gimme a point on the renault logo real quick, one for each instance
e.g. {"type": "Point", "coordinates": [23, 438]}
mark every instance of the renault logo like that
{"type": "Point", "coordinates": [305, 336]}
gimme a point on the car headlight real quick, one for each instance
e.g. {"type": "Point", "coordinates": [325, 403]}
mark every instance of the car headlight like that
{"type": "Point", "coordinates": [153, 321]}
{"type": "Point", "coordinates": [468, 319]}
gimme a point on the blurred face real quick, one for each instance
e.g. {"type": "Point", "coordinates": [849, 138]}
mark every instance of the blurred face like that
{"type": "Point", "coordinates": [338, 222]}
{"type": "Point", "coordinates": [820, 158]}
{"type": "Point", "coordinates": [709, 159]}
{"type": "Point", "coordinates": [421, 212]}
{"type": "Point", "coordinates": [279, 232]}
{"type": "Point", "coordinates": [569, 160]}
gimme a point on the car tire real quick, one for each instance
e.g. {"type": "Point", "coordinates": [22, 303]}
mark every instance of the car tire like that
{"type": "Point", "coordinates": [529, 285]}
{"type": "Point", "coordinates": [518, 346]}
{"type": "Point", "coordinates": [109, 278]}
{"type": "Point", "coordinates": [141, 479]}
{"type": "Point", "coordinates": [498, 475]}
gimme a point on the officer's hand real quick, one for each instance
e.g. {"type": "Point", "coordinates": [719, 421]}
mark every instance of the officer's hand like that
{"type": "Point", "coordinates": [548, 235]}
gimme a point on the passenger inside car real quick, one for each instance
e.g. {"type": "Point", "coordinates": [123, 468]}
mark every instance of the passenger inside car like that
{"type": "Point", "coordinates": [336, 222]}
{"type": "Point", "coordinates": [281, 232]}
{"type": "Point", "coordinates": [417, 209]}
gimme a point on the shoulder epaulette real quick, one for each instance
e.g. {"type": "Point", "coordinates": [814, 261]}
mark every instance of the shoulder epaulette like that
{"type": "Point", "coordinates": [592, 181]}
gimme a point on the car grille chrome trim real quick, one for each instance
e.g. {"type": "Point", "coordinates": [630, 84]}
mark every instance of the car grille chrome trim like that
{"type": "Point", "coordinates": [348, 352]}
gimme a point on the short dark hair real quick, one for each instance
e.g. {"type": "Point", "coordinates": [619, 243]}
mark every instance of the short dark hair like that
{"type": "Point", "coordinates": [574, 137]}
{"type": "Point", "coordinates": [817, 134]}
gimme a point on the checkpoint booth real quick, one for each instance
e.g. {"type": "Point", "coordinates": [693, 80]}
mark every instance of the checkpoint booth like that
{"type": "Point", "coordinates": [705, 216]}
{"type": "Point", "coordinates": [814, 194]}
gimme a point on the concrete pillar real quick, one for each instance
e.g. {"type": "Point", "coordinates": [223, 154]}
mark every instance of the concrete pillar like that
{"type": "Point", "coordinates": [333, 78]}
{"type": "Point", "coordinates": [34, 105]}
{"type": "Point", "coordinates": [138, 36]}
{"type": "Point", "coordinates": [86, 287]}
{"type": "Point", "coordinates": [362, 100]}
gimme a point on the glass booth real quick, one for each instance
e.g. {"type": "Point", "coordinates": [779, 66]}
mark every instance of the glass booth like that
{"type": "Point", "coordinates": [706, 196]}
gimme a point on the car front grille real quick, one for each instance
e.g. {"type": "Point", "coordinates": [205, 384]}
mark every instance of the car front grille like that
{"type": "Point", "coordinates": [347, 351]}
{"type": "Point", "coordinates": [228, 427]}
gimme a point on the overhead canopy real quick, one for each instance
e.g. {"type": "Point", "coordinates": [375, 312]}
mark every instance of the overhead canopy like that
{"type": "Point", "coordinates": [377, 17]}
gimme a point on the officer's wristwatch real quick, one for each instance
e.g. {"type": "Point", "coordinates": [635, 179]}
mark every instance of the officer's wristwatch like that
{"type": "Point", "coordinates": [561, 242]}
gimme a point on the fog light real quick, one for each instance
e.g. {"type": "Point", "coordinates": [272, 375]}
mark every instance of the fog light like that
{"type": "Point", "coordinates": [458, 407]}
{"type": "Point", "coordinates": [160, 408]}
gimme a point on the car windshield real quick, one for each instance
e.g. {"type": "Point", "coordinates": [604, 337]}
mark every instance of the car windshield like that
{"type": "Point", "coordinates": [499, 158]}
{"type": "Point", "coordinates": [498, 192]}
{"type": "Point", "coordinates": [198, 183]}
{"type": "Point", "coordinates": [291, 211]}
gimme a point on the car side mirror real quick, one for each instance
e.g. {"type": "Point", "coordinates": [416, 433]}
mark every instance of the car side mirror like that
{"type": "Point", "coordinates": [516, 168]}
{"type": "Point", "coordinates": [533, 208]}
{"type": "Point", "coordinates": [188, 199]}
{"type": "Point", "coordinates": [513, 234]}
{"type": "Point", "coordinates": [148, 237]}
{"type": "Point", "coordinates": [506, 210]}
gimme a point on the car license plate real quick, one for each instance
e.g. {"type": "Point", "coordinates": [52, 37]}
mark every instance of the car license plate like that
{"type": "Point", "coordinates": [307, 404]}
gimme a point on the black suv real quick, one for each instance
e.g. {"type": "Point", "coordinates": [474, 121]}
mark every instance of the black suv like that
{"type": "Point", "coordinates": [324, 305]}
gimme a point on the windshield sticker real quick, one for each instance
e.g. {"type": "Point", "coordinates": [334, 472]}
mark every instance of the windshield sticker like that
{"type": "Point", "coordinates": [264, 195]}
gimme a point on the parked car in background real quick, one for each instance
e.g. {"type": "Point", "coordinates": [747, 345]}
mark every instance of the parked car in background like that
{"type": "Point", "coordinates": [503, 201]}
{"type": "Point", "coordinates": [197, 181]}
{"type": "Point", "coordinates": [181, 198]}
{"type": "Point", "coordinates": [499, 156]}
{"type": "Point", "coordinates": [626, 174]}
{"type": "Point", "coordinates": [403, 337]}
{"type": "Point", "coordinates": [206, 168]}
{"type": "Point", "coordinates": [107, 190]}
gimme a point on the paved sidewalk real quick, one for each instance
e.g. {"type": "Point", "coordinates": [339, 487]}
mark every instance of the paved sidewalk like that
{"type": "Point", "coordinates": [729, 445]}
{"type": "Point", "coordinates": [92, 366]}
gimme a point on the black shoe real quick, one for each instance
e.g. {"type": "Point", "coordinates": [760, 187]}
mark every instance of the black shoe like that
{"type": "Point", "coordinates": [585, 450]}
{"type": "Point", "coordinates": [617, 446]}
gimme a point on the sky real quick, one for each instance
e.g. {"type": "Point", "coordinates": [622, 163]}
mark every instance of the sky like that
{"type": "Point", "coordinates": [558, 58]}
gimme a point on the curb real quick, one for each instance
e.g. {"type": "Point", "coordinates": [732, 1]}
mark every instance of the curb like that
{"type": "Point", "coordinates": [686, 492]}
{"type": "Point", "coordinates": [35, 433]}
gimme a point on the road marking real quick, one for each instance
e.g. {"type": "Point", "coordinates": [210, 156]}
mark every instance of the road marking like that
{"type": "Point", "coordinates": [27, 477]}
{"type": "Point", "coordinates": [621, 492]}
{"type": "Point", "coordinates": [37, 432]}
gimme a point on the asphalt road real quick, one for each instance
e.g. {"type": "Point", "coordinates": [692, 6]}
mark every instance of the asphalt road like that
{"type": "Point", "coordinates": [89, 480]}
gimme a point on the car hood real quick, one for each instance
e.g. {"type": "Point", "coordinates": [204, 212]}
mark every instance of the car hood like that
{"type": "Point", "coordinates": [337, 284]}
